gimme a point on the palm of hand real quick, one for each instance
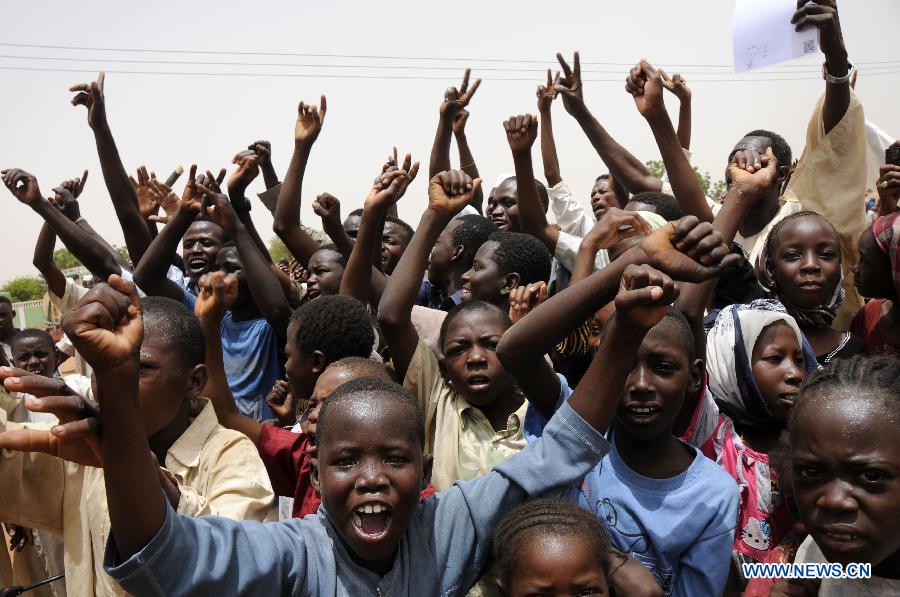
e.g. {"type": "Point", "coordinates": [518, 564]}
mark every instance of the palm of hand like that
{"type": "Point", "coordinates": [80, 450]}
{"type": "Point", "coordinates": [308, 127]}
{"type": "Point", "coordinates": [148, 200]}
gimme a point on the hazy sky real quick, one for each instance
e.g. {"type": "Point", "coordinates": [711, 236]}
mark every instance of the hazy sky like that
{"type": "Point", "coordinates": [162, 120]}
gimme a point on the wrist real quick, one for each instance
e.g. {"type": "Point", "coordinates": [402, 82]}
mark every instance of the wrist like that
{"type": "Point", "coordinates": [657, 118]}
{"type": "Point", "coordinates": [114, 372]}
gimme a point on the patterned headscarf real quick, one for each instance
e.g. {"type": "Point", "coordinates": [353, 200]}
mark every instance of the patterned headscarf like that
{"type": "Point", "coordinates": [819, 316]}
{"type": "Point", "coordinates": [729, 348]}
{"type": "Point", "coordinates": [886, 231]}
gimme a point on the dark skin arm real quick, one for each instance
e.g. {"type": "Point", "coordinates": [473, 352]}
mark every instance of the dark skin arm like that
{"type": "Point", "coordinates": [615, 225]}
{"type": "Point", "coordinates": [264, 286]}
{"type": "Point", "coordinates": [94, 256]}
{"type": "Point", "coordinates": [521, 132]}
{"type": "Point", "coordinates": [645, 84]}
{"type": "Point", "coordinates": [106, 328]}
{"type": "Point", "coordinates": [134, 227]}
{"type": "Point", "coordinates": [287, 211]}
{"type": "Point", "coordinates": [43, 261]}
{"type": "Point", "coordinates": [263, 150]}
{"type": "Point", "coordinates": [629, 170]}
{"type": "Point", "coordinates": [455, 100]}
{"type": "Point", "coordinates": [362, 281]}
{"type": "Point", "coordinates": [217, 293]}
{"type": "Point", "coordinates": [448, 193]}
{"type": "Point", "coordinates": [823, 15]}
{"type": "Point", "coordinates": [545, 96]}
{"type": "Point", "coordinates": [240, 179]}
{"type": "Point", "coordinates": [677, 85]}
{"type": "Point", "coordinates": [466, 159]}
{"type": "Point", "coordinates": [328, 207]}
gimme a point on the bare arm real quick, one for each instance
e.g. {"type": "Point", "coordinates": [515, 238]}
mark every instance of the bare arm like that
{"type": "Point", "coordinates": [287, 211]}
{"type": "Point", "coordinates": [328, 207]}
{"type": "Point", "coordinates": [545, 95]}
{"type": "Point", "coordinates": [43, 261]}
{"type": "Point", "coordinates": [466, 159]}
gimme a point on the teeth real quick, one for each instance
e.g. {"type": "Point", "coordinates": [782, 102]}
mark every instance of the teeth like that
{"type": "Point", "coordinates": [367, 509]}
{"type": "Point", "coordinates": [378, 509]}
{"type": "Point", "coordinates": [357, 521]}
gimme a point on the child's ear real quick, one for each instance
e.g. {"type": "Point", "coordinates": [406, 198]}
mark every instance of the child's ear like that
{"type": "Point", "coordinates": [698, 370]}
{"type": "Point", "coordinates": [314, 478]}
{"type": "Point", "coordinates": [512, 280]}
{"type": "Point", "coordinates": [442, 365]}
{"type": "Point", "coordinates": [318, 361]}
{"type": "Point", "coordinates": [501, 586]}
{"type": "Point", "coordinates": [427, 468]}
{"type": "Point", "coordinates": [197, 380]}
{"type": "Point", "coordinates": [457, 254]}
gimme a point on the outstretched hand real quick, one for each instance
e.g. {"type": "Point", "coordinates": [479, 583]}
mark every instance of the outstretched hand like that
{"type": "Point", "coordinates": [106, 326]}
{"type": "Point", "coordinates": [521, 132]}
{"type": "Point", "coordinates": [645, 84]}
{"type": "Point", "coordinates": [91, 96]}
{"type": "Point", "coordinates": [644, 295]}
{"type": "Point", "coordinates": [614, 225]}
{"type": "Point", "coordinates": [23, 185]}
{"type": "Point", "coordinates": [309, 121]}
{"type": "Point", "coordinates": [65, 196]}
{"type": "Point", "coordinates": [570, 85]}
{"type": "Point", "coordinates": [523, 299]}
{"type": "Point", "coordinates": [75, 438]}
{"type": "Point", "coordinates": [217, 293]}
{"type": "Point", "coordinates": [149, 196]}
{"type": "Point", "coordinates": [676, 84]}
{"type": "Point", "coordinates": [457, 99]}
{"type": "Point", "coordinates": [247, 170]}
{"type": "Point", "coordinates": [688, 250]}
{"type": "Point", "coordinates": [450, 191]}
{"type": "Point", "coordinates": [755, 175]}
{"type": "Point", "coordinates": [547, 93]}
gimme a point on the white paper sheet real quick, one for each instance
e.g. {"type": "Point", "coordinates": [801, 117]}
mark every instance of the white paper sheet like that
{"type": "Point", "coordinates": [763, 34]}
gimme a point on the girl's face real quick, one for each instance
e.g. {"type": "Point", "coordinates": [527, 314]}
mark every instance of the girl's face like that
{"type": "Point", "coordinates": [325, 273]}
{"type": "Point", "coordinates": [485, 281]}
{"type": "Point", "coordinates": [470, 357]}
{"type": "Point", "coordinates": [873, 277]}
{"type": "Point", "coordinates": [845, 453]}
{"type": "Point", "coordinates": [807, 261]}
{"type": "Point", "coordinates": [778, 368]}
{"type": "Point", "coordinates": [557, 565]}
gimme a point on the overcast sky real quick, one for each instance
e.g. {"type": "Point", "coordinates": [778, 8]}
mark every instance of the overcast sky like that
{"type": "Point", "coordinates": [162, 120]}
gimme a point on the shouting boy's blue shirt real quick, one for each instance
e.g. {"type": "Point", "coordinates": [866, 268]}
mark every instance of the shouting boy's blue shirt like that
{"type": "Point", "coordinates": [443, 551]}
{"type": "Point", "coordinates": [680, 528]}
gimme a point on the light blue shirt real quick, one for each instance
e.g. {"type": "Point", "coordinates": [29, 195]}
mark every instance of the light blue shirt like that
{"type": "Point", "coordinates": [443, 552]}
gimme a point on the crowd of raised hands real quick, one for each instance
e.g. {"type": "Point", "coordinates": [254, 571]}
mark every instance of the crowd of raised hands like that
{"type": "Point", "coordinates": [646, 392]}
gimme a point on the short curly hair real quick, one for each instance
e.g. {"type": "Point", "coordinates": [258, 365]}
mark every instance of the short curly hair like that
{"type": "Point", "coordinates": [522, 254]}
{"type": "Point", "coordinates": [472, 232]}
{"type": "Point", "coordinates": [665, 205]}
{"type": "Point", "coordinates": [337, 326]}
{"type": "Point", "coordinates": [407, 229]}
{"type": "Point", "coordinates": [543, 517]}
{"type": "Point", "coordinates": [542, 193]}
{"type": "Point", "coordinates": [175, 326]}
{"type": "Point", "coordinates": [471, 307]}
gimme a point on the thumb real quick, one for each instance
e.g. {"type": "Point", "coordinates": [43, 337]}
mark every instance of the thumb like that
{"type": "Point", "coordinates": [128, 289]}
{"type": "Point", "coordinates": [650, 72]}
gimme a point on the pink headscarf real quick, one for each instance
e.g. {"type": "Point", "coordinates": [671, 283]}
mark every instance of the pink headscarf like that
{"type": "Point", "coordinates": [886, 231]}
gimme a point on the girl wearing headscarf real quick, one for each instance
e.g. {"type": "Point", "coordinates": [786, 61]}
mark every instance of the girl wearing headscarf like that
{"type": "Point", "coordinates": [878, 278]}
{"type": "Point", "coordinates": [756, 359]}
{"type": "Point", "coordinates": [800, 266]}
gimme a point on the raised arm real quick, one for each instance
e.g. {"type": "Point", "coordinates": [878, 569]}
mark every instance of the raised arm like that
{"type": "Point", "coordinates": [448, 193]}
{"type": "Point", "coordinates": [287, 211]}
{"type": "Point", "coordinates": [678, 87]}
{"type": "Point", "coordinates": [361, 280]}
{"type": "Point", "coordinates": [264, 286]}
{"type": "Point", "coordinates": [466, 159]}
{"type": "Point", "coordinates": [454, 102]}
{"type": "Point", "coordinates": [134, 227]}
{"type": "Point", "coordinates": [217, 293]}
{"type": "Point", "coordinates": [545, 96]}
{"type": "Point", "coordinates": [328, 207]}
{"type": "Point", "coordinates": [93, 255]}
{"type": "Point", "coordinates": [521, 132]}
{"type": "Point", "coordinates": [263, 151]}
{"type": "Point", "coordinates": [629, 170]}
{"type": "Point", "coordinates": [43, 261]}
{"type": "Point", "coordinates": [645, 84]}
{"type": "Point", "coordinates": [823, 15]}
{"type": "Point", "coordinates": [248, 169]}
{"type": "Point", "coordinates": [106, 328]}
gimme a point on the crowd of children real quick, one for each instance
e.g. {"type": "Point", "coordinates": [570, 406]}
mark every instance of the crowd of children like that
{"type": "Point", "coordinates": [646, 395]}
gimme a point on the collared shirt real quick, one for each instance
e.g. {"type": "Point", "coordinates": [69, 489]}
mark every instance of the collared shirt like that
{"type": "Point", "coordinates": [457, 434]}
{"type": "Point", "coordinates": [444, 549]}
{"type": "Point", "coordinates": [433, 297]}
{"type": "Point", "coordinates": [218, 472]}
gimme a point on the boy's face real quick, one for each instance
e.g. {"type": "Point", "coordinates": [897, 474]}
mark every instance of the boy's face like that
{"type": "Point", "coordinates": [807, 263]}
{"type": "Point", "coordinates": [370, 476]}
{"type": "Point", "coordinates": [6, 316]}
{"type": "Point", "coordinates": [199, 248]}
{"type": "Point", "coordinates": [504, 198]}
{"type": "Point", "coordinates": [325, 273]}
{"type": "Point", "coordinates": [655, 388]}
{"type": "Point", "coordinates": [35, 356]}
{"type": "Point", "coordinates": [228, 261]}
{"type": "Point", "coordinates": [393, 243]}
{"type": "Point", "coordinates": [328, 381]}
{"type": "Point", "coordinates": [470, 357]}
{"type": "Point", "coordinates": [300, 369]}
{"type": "Point", "coordinates": [442, 253]}
{"type": "Point", "coordinates": [165, 382]}
{"type": "Point", "coordinates": [777, 366]}
{"type": "Point", "coordinates": [845, 453]}
{"type": "Point", "coordinates": [602, 198]}
{"type": "Point", "coordinates": [351, 225]}
{"type": "Point", "coordinates": [485, 281]}
{"type": "Point", "coordinates": [557, 565]}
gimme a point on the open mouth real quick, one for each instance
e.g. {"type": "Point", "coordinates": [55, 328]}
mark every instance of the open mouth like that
{"type": "Point", "coordinates": [313, 291]}
{"type": "Point", "coordinates": [499, 222]}
{"type": "Point", "coordinates": [840, 540]}
{"type": "Point", "coordinates": [478, 382]}
{"type": "Point", "coordinates": [372, 520]}
{"type": "Point", "coordinates": [788, 398]}
{"type": "Point", "coordinates": [35, 369]}
{"type": "Point", "coordinates": [641, 411]}
{"type": "Point", "coordinates": [197, 263]}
